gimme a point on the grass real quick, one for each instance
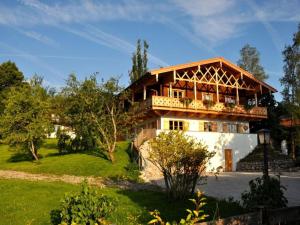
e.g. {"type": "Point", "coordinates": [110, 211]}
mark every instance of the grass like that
{"type": "Point", "coordinates": [28, 202]}
{"type": "Point", "coordinates": [80, 164]}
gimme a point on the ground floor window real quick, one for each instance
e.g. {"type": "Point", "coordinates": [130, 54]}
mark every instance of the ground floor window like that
{"type": "Point", "coordinates": [175, 125]}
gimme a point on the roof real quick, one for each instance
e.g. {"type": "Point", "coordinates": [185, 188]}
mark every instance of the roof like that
{"type": "Point", "coordinates": [208, 61]}
{"type": "Point", "coordinates": [202, 62]}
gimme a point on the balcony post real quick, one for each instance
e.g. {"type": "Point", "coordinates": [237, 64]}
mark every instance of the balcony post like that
{"type": "Point", "coordinates": [217, 85]}
{"type": "Point", "coordinates": [195, 88]}
{"type": "Point", "coordinates": [237, 95]}
{"type": "Point", "coordinates": [145, 92]}
{"type": "Point", "coordinates": [255, 96]}
{"type": "Point", "coordinates": [170, 90]}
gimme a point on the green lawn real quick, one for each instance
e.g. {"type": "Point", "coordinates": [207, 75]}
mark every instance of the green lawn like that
{"type": "Point", "coordinates": [28, 202]}
{"type": "Point", "coordinates": [81, 164]}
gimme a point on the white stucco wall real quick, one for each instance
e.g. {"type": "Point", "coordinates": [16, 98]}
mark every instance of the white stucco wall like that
{"type": "Point", "coordinates": [240, 143]}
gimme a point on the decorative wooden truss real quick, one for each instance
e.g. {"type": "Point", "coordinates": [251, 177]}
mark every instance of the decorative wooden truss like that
{"type": "Point", "coordinates": [212, 75]}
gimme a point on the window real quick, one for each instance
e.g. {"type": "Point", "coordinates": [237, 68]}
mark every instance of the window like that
{"type": "Point", "coordinates": [207, 97]}
{"type": "Point", "coordinates": [232, 127]}
{"type": "Point", "coordinates": [210, 126]}
{"type": "Point", "coordinates": [229, 99]}
{"type": "Point", "coordinates": [176, 93]}
{"type": "Point", "coordinates": [175, 125]}
{"type": "Point", "coordinates": [207, 126]}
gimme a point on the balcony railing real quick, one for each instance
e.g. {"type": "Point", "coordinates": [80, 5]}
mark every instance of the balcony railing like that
{"type": "Point", "coordinates": [168, 103]}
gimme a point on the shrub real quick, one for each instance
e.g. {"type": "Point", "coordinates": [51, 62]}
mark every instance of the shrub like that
{"type": "Point", "coordinates": [193, 217]}
{"type": "Point", "coordinates": [264, 192]}
{"type": "Point", "coordinates": [87, 207]}
{"type": "Point", "coordinates": [63, 143]}
{"type": "Point", "coordinates": [181, 159]}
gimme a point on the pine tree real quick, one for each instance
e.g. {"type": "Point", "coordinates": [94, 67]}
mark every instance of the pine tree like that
{"type": "Point", "coordinates": [291, 68]}
{"type": "Point", "coordinates": [291, 88]}
{"type": "Point", "coordinates": [139, 61]}
{"type": "Point", "coordinates": [250, 61]}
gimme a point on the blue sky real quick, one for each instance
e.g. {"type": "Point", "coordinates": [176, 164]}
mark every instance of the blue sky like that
{"type": "Point", "coordinates": [56, 38]}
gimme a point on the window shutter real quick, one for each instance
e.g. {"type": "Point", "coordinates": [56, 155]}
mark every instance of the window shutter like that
{"type": "Point", "coordinates": [166, 124]}
{"type": "Point", "coordinates": [225, 127]}
{"type": "Point", "coordinates": [201, 126]}
{"type": "Point", "coordinates": [186, 125]}
{"type": "Point", "coordinates": [214, 127]}
{"type": "Point", "coordinates": [240, 128]}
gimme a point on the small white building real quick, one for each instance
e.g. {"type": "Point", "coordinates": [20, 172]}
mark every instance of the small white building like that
{"type": "Point", "coordinates": [212, 100]}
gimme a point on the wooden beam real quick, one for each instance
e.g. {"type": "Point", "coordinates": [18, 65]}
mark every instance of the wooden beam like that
{"type": "Point", "coordinates": [237, 96]}
{"type": "Point", "coordinates": [145, 92]}
{"type": "Point", "coordinates": [161, 90]}
{"type": "Point", "coordinates": [217, 85]}
{"type": "Point", "coordinates": [195, 88]}
{"type": "Point", "coordinates": [174, 76]}
{"type": "Point", "coordinates": [156, 77]}
{"type": "Point", "coordinates": [170, 90]}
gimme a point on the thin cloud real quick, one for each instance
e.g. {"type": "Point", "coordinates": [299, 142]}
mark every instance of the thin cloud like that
{"type": "Point", "coordinates": [38, 37]}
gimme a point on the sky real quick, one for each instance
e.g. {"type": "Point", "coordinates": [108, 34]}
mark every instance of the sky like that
{"type": "Point", "coordinates": [56, 38]}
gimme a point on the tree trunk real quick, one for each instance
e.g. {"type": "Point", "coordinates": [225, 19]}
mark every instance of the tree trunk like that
{"type": "Point", "coordinates": [111, 156]}
{"type": "Point", "coordinates": [33, 151]}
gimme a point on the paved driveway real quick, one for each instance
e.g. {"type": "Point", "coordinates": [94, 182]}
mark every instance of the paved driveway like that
{"type": "Point", "coordinates": [233, 184]}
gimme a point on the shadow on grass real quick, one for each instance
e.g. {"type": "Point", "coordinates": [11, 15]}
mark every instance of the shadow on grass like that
{"type": "Point", "coordinates": [175, 210]}
{"type": "Point", "coordinates": [151, 200]}
{"type": "Point", "coordinates": [22, 157]}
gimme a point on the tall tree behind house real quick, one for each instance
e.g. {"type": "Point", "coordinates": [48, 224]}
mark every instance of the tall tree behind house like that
{"type": "Point", "coordinates": [250, 61]}
{"type": "Point", "coordinates": [139, 61]}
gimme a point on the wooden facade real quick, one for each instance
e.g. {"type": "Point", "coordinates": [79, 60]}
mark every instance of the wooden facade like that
{"type": "Point", "coordinates": [213, 88]}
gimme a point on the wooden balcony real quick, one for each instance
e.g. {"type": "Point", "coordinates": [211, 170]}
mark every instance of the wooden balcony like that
{"type": "Point", "coordinates": [197, 106]}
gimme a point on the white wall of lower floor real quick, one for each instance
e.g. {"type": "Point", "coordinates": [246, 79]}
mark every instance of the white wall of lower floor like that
{"type": "Point", "coordinates": [240, 144]}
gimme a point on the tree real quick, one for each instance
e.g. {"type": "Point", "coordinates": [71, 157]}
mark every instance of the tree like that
{"type": "Point", "coordinates": [181, 159]}
{"type": "Point", "coordinates": [291, 87]}
{"type": "Point", "coordinates": [139, 61]}
{"type": "Point", "coordinates": [291, 68]}
{"type": "Point", "coordinates": [110, 116]}
{"type": "Point", "coordinates": [26, 121]}
{"type": "Point", "coordinates": [10, 76]}
{"type": "Point", "coordinates": [95, 112]}
{"type": "Point", "coordinates": [250, 61]}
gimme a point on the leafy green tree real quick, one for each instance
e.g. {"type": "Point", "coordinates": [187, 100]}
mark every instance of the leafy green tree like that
{"type": "Point", "coordinates": [139, 61]}
{"type": "Point", "coordinates": [182, 161]}
{"type": "Point", "coordinates": [10, 76]}
{"type": "Point", "coordinates": [250, 61]}
{"type": "Point", "coordinates": [26, 121]}
{"type": "Point", "coordinates": [95, 111]}
{"type": "Point", "coordinates": [291, 88]}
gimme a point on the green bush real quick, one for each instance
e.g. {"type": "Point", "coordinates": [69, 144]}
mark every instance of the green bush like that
{"type": "Point", "coordinates": [264, 192]}
{"type": "Point", "coordinates": [193, 217]}
{"type": "Point", "coordinates": [63, 142]}
{"type": "Point", "coordinates": [181, 159]}
{"type": "Point", "coordinates": [85, 208]}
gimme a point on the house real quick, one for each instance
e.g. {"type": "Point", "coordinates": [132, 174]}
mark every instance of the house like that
{"type": "Point", "coordinates": [212, 100]}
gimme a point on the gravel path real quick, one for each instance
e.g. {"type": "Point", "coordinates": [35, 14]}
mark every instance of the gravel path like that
{"type": "Point", "coordinates": [95, 181]}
